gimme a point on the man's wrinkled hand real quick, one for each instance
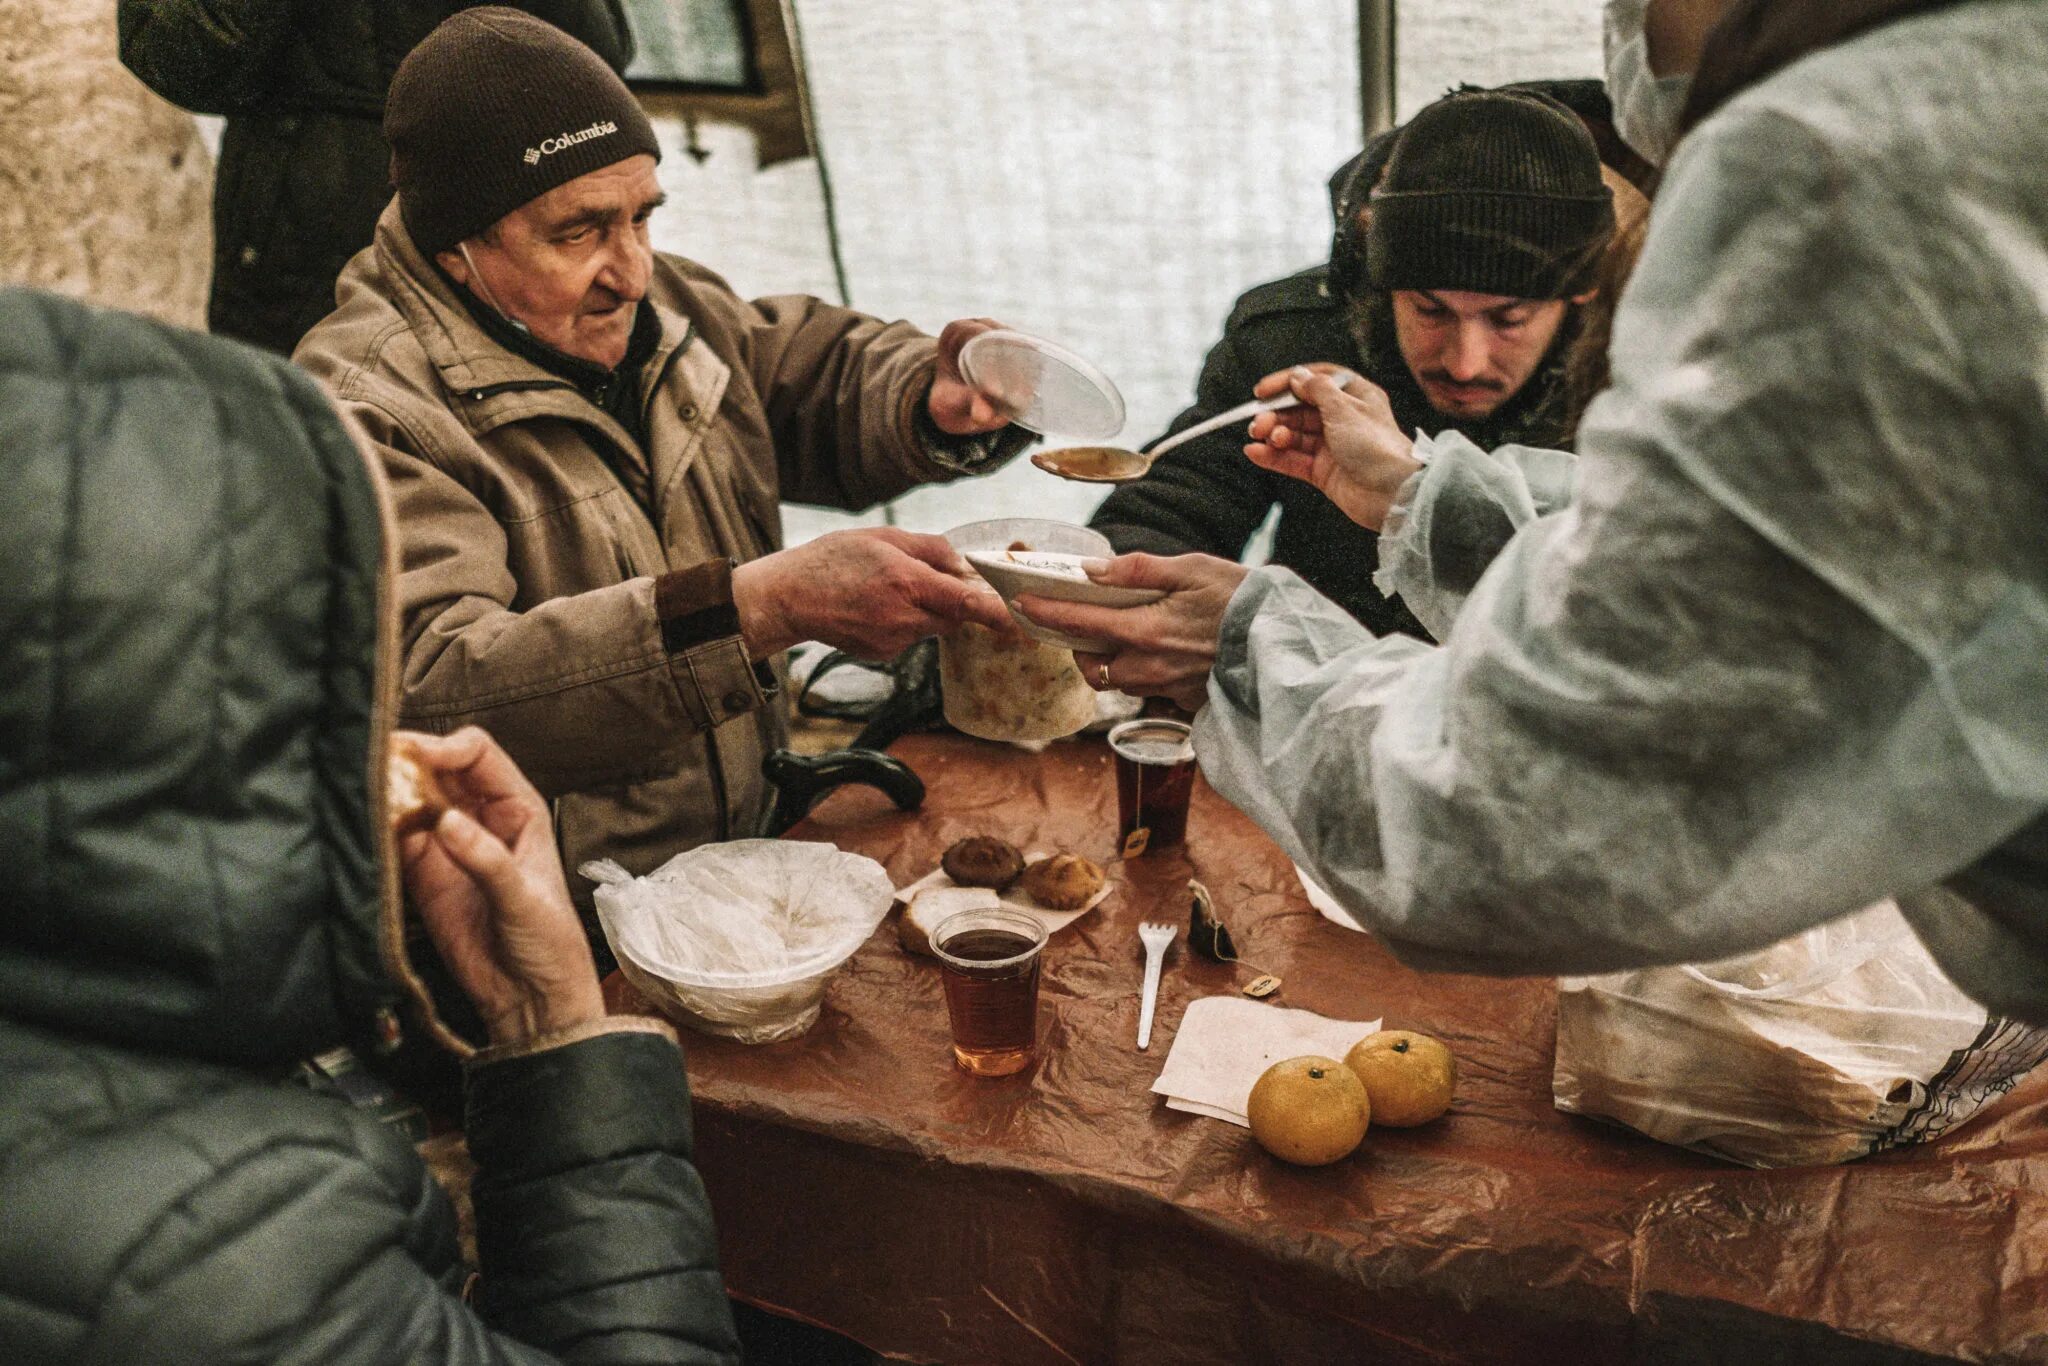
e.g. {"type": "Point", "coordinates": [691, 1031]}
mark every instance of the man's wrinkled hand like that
{"type": "Point", "coordinates": [957, 407]}
{"type": "Point", "coordinates": [487, 880]}
{"type": "Point", "coordinates": [872, 592]}
{"type": "Point", "coordinates": [1345, 442]}
{"type": "Point", "coordinates": [1161, 649]}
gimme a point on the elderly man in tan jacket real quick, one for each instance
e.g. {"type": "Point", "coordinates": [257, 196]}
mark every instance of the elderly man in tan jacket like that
{"type": "Point", "coordinates": [588, 443]}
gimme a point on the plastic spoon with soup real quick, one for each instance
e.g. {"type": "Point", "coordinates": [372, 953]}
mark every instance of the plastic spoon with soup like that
{"type": "Point", "coordinates": [1115, 465]}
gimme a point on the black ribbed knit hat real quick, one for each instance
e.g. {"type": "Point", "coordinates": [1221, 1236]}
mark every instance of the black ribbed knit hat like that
{"type": "Point", "coordinates": [492, 110]}
{"type": "Point", "coordinates": [1493, 192]}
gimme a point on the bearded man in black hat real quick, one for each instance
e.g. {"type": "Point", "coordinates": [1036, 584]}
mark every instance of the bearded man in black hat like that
{"type": "Point", "coordinates": [1466, 246]}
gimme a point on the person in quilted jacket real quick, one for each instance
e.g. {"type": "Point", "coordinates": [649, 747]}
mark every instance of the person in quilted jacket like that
{"type": "Point", "coordinates": [200, 669]}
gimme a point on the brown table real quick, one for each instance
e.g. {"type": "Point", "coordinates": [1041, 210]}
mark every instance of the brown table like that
{"type": "Point", "coordinates": [861, 1182]}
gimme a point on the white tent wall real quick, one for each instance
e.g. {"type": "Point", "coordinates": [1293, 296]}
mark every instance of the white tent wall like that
{"type": "Point", "coordinates": [1109, 175]}
{"type": "Point", "coordinates": [1441, 44]}
{"type": "Point", "coordinates": [104, 190]}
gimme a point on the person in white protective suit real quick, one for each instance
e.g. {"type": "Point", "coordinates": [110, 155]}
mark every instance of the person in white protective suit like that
{"type": "Point", "coordinates": [1776, 644]}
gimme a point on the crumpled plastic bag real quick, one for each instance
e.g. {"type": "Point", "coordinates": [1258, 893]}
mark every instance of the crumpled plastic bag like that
{"type": "Point", "coordinates": [739, 939]}
{"type": "Point", "coordinates": [1826, 1046]}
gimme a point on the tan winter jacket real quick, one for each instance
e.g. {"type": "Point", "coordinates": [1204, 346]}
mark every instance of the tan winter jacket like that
{"type": "Point", "coordinates": [527, 589]}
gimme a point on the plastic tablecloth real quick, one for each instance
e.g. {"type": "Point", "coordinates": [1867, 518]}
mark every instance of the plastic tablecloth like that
{"type": "Point", "coordinates": [862, 1182]}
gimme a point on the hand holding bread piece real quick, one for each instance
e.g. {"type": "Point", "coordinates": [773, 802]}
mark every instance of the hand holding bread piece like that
{"type": "Point", "coordinates": [487, 879]}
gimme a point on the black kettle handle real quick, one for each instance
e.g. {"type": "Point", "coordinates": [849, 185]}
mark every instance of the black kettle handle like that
{"type": "Point", "coordinates": [800, 780]}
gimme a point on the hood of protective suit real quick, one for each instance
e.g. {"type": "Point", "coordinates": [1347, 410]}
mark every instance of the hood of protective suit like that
{"type": "Point", "coordinates": [197, 681]}
{"type": "Point", "coordinates": [1755, 38]}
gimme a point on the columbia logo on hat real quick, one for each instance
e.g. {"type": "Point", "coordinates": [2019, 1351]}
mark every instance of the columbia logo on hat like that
{"type": "Point", "coordinates": [492, 110]}
{"type": "Point", "coordinates": [563, 141]}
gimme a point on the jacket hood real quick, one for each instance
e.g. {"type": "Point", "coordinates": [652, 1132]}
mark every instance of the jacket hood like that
{"type": "Point", "coordinates": [1754, 38]}
{"type": "Point", "coordinates": [198, 674]}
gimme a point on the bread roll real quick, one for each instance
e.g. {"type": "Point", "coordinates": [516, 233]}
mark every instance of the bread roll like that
{"type": "Point", "coordinates": [416, 796]}
{"type": "Point", "coordinates": [931, 906]}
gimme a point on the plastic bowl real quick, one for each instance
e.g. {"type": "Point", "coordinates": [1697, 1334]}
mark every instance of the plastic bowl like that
{"type": "Point", "coordinates": [776, 1002]}
{"type": "Point", "coordinates": [1035, 533]}
{"type": "Point", "coordinates": [747, 1013]}
{"type": "Point", "coordinates": [1052, 575]}
{"type": "Point", "coordinates": [1049, 565]}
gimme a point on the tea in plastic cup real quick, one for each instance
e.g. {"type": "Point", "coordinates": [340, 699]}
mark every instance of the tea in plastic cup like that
{"type": "Point", "coordinates": [1155, 775]}
{"type": "Point", "coordinates": [990, 963]}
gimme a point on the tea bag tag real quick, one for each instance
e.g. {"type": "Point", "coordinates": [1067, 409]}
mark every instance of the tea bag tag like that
{"type": "Point", "coordinates": [1135, 842]}
{"type": "Point", "coordinates": [1260, 988]}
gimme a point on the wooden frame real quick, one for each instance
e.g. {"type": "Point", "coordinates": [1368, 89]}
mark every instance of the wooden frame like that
{"type": "Point", "coordinates": [772, 106]}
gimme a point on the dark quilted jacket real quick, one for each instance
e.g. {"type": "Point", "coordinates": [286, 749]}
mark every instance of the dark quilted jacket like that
{"type": "Point", "coordinates": [304, 168]}
{"type": "Point", "coordinates": [198, 891]}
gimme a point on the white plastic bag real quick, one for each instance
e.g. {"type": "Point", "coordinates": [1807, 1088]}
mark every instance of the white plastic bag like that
{"type": "Point", "coordinates": [1827, 1046]}
{"type": "Point", "coordinates": [739, 939]}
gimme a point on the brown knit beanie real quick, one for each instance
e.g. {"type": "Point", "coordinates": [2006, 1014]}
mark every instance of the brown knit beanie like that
{"type": "Point", "coordinates": [492, 110]}
{"type": "Point", "coordinates": [1493, 192]}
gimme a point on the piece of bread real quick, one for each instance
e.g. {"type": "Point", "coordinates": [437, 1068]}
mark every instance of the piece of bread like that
{"type": "Point", "coordinates": [416, 796]}
{"type": "Point", "coordinates": [983, 861]}
{"type": "Point", "coordinates": [931, 906]}
{"type": "Point", "coordinates": [1064, 882]}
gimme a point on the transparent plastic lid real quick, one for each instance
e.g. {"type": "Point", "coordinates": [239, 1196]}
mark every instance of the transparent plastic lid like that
{"type": "Point", "coordinates": [1044, 387]}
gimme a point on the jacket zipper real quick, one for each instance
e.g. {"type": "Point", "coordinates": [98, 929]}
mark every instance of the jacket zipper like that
{"type": "Point", "coordinates": [514, 386]}
{"type": "Point", "coordinates": [717, 760]}
{"type": "Point", "coordinates": [596, 433]}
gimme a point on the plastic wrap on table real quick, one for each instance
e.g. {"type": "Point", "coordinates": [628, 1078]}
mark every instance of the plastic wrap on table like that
{"type": "Point", "coordinates": [1065, 1215]}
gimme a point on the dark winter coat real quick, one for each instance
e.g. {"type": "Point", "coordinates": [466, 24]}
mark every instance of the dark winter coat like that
{"type": "Point", "coordinates": [304, 168]}
{"type": "Point", "coordinates": [199, 666]}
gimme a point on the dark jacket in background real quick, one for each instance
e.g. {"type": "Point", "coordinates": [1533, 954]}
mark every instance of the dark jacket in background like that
{"type": "Point", "coordinates": [198, 670]}
{"type": "Point", "coordinates": [304, 168]}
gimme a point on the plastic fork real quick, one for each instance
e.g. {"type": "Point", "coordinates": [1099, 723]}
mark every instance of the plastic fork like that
{"type": "Point", "coordinates": [1156, 937]}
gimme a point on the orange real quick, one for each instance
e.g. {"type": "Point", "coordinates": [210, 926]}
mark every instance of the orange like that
{"type": "Point", "coordinates": [1309, 1111]}
{"type": "Point", "coordinates": [1409, 1076]}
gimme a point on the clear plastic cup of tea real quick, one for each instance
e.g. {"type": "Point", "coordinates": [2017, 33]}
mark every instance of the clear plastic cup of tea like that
{"type": "Point", "coordinates": [990, 965]}
{"type": "Point", "coordinates": [1155, 775]}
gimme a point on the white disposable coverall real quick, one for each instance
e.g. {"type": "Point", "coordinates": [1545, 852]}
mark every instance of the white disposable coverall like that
{"type": "Point", "coordinates": [1786, 651]}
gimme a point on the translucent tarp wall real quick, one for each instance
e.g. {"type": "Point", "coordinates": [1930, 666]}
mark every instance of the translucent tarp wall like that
{"type": "Point", "coordinates": [1107, 173]}
{"type": "Point", "coordinates": [1441, 44]}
